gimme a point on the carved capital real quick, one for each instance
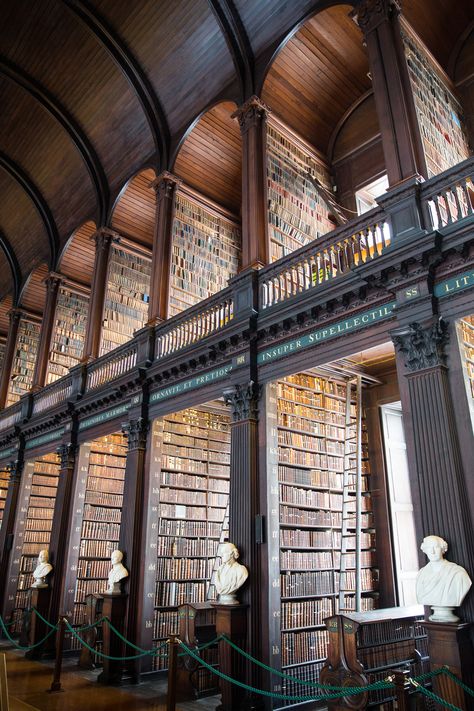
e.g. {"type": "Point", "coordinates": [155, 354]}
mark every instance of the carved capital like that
{"type": "Point", "coordinates": [369, 14]}
{"type": "Point", "coordinates": [423, 346]}
{"type": "Point", "coordinates": [251, 113]}
{"type": "Point", "coordinates": [53, 282]}
{"type": "Point", "coordinates": [15, 467]}
{"type": "Point", "coordinates": [67, 455]}
{"type": "Point", "coordinates": [243, 401]}
{"type": "Point", "coordinates": [136, 432]}
{"type": "Point", "coordinates": [165, 185]}
{"type": "Point", "coordinates": [103, 238]}
{"type": "Point", "coordinates": [14, 316]}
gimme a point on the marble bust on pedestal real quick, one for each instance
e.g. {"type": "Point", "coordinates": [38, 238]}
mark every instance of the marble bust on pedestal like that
{"type": "Point", "coordinates": [230, 576]}
{"type": "Point", "coordinates": [42, 570]}
{"type": "Point", "coordinates": [441, 584]}
{"type": "Point", "coordinates": [117, 574]}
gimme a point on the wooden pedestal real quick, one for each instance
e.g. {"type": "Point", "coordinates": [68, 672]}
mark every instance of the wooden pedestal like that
{"type": "Point", "coordinates": [40, 598]}
{"type": "Point", "coordinates": [114, 608]}
{"type": "Point", "coordinates": [450, 645]}
{"type": "Point", "coordinates": [232, 621]}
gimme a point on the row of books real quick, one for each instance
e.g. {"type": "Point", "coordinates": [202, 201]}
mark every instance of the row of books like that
{"type": "Point", "coordinates": [305, 613]}
{"type": "Point", "coordinates": [95, 530]}
{"type": "Point", "coordinates": [288, 455]}
{"type": "Point", "coordinates": [172, 593]}
{"type": "Point", "coordinates": [69, 332]}
{"type": "Point", "coordinates": [295, 423]}
{"type": "Point", "coordinates": [93, 569]}
{"type": "Point", "coordinates": [189, 481]}
{"type": "Point", "coordinates": [100, 513]}
{"type": "Point", "coordinates": [311, 443]}
{"type": "Point", "coordinates": [315, 399]}
{"type": "Point", "coordinates": [187, 547]}
{"type": "Point", "coordinates": [298, 647]}
{"type": "Point", "coordinates": [197, 529]}
{"type": "Point", "coordinates": [313, 413]}
{"type": "Point", "coordinates": [23, 366]}
{"type": "Point", "coordinates": [184, 568]}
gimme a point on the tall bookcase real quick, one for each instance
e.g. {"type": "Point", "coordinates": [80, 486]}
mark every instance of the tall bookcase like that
{"type": "Point", "coordinates": [102, 469]}
{"type": "Point", "coordinates": [36, 510]}
{"type": "Point", "coordinates": [206, 246]}
{"type": "Point", "coordinates": [438, 110]}
{"type": "Point", "coordinates": [126, 297]}
{"type": "Point", "coordinates": [306, 489]}
{"type": "Point", "coordinates": [193, 512]}
{"type": "Point", "coordinates": [466, 343]}
{"type": "Point", "coordinates": [23, 366]}
{"type": "Point", "coordinates": [297, 212]}
{"type": "Point", "coordinates": [4, 479]}
{"type": "Point", "coordinates": [69, 332]}
{"type": "Point", "coordinates": [2, 352]}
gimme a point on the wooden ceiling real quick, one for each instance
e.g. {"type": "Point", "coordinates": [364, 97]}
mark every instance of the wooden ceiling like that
{"type": "Point", "coordinates": [77, 259]}
{"type": "Point", "coordinates": [96, 91]}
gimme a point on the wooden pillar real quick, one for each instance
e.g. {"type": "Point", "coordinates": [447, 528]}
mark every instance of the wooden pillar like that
{"type": "Point", "coordinates": [252, 118]}
{"type": "Point", "coordinates": [53, 282]}
{"type": "Point", "coordinates": [14, 317]}
{"type": "Point", "coordinates": [433, 446]}
{"type": "Point", "coordinates": [131, 531]}
{"type": "Point", "coordinates": [61, 526]}
{"type": "Point", "coordinates": [8, 525]}
{"type": "Point", "coordinates": [244, 507]}
{"type": "Point", "coordinates": [165, 187]}
{"type": "Point", "coordinates": [401, 138]}
{"type": "Point", "coordinates": [103, 240]}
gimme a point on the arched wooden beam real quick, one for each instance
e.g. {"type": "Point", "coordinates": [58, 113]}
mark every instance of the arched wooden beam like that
{"type": "Point", "coordinates": [14, 266]}
{"type": "Point", "coordinates": [238, 43]}
{"type": "Point", "coordinates": [42, 207]}
{"type": "Point", "coordinates": [132, 71]}
{"type": "Point", "coordinates": [75, 132]}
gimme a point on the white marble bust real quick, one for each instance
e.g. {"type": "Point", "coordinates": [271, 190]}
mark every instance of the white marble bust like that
{"type": "Point", "coordinates": [441, 584]}
{"type": "Point", "coordinates": [230, 576]}
{"type": "Point", "coordinates": [117, 573]}
{"type": "Point", "coordinates": [42, 570]}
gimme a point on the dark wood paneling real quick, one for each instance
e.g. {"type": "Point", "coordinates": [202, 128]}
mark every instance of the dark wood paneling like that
{"type": "Point", "coordinates": [77, 261]}
{"type": "Point", "coordinates": [33, 296]}
{"type": "Point", "coordinates": [134, 212]}
{"type": "Point", "coordinates": [210, 158]}
{"type": "Point", "coordinates": [5, 306]}
{"type": "Point", "coordinates": [360, 127]}
{"type": "Point", "coordinates": [6, 284]}
{"type": "Point", "coordinates": [318, 75]}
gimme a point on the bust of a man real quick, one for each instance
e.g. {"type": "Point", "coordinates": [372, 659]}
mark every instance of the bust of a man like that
{"type": "Point", "coordinates": [441, 584]}
{"type": "Point", "coordinates": [42, 570]}
{"type": "Point", "coordinates": [230, 576]}
{"type": "Point", "coordinates": [117, 574]}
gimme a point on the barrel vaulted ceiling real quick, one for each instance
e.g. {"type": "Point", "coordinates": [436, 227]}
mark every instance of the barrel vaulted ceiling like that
{"type": "Point", "coordinates": [98, 96]}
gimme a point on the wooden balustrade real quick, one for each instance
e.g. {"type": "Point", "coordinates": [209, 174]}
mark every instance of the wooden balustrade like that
{"type": "Point", "coordinates": [194, 324]}
{"type": "Point", "coordinates": [10, 416]}
{"type": "Point", "coordinates": [111, 366]}
{"type": "Point", "coordinates": [449, 197]}
{"type": "Point", "coordinates": [51, 395]}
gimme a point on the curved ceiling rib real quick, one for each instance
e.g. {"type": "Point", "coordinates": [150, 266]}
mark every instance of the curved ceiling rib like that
{"type": "Point", "coordinates": [79, 138]}
{"type": "Point", "coordinates": [18, 174]}
{"type": "Point", "coordinates": [132, 71]}
{"type": "Point", "coordinates": [14, 266]}
{"type": "Point", "coordinates": [238, 42]}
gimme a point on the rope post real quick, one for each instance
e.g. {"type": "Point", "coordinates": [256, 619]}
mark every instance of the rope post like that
{"type": "Point", "coordinates": [402, 689]}
{"type": "Point", "coordinates": [58, 662]}
{"type": "Point", "coordinates": [172, 674]}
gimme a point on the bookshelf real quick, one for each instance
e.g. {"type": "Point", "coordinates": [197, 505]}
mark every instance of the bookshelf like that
{"type": "Point", "coordinates": [297, 213]}
{"type": "Point", "coordinates": [4, 479]}
{"type": "Point", "coordinates": [69, 332]}
{"type": "Point", "coordinates": [438, 111]}
{"type": "Point", "coordinates": [193, 513]}
{"type": "Point", "coordinates": [307, 439]}
{"type": "Point", "coordinates": [38, 508]}
{"type": "Point", "coordinates": [102, 461]}
{"type": "Point", "coordinates": [2, 352]}
{"type": "Point", "coordinates": [23, 366]}
{"type": "Point", "coordinates": [465, 332]}
{"type": "Point", "coordinates": [126, 297]}
{"type": "Point", "coordinates": [205, 253]}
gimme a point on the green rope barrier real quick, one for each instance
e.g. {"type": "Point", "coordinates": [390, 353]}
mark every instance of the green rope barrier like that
{"type": "Point", "coordinates": [151, 652]}
{"type": "Point", "coordinates": [434, 697]}
{"type": "Point", "coordinates": [205, 645]}
{"type": "Point", "coordinates": [429, 675]}
{"type": "Point", "coordinates": [460, 683]}
{"type": "Point", "coordinates": [350, 691]}
{"type": "Point", "coordinates": [91, 626]}
{"type": "Point", "coordinates": [46, 622]}
{"type": "Point", "coordinates": [19, 646]}
{"type": "Point", "coordinates": [130, 644]}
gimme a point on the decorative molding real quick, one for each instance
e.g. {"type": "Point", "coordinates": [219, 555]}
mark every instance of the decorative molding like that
{"type": "Point", "coordinates": [369, 14]}
{"type": "Point", "coordinates": [243, 401]}
{"type": "Point", "coordinates": [165, 185]}
{"type": "Point", "coordinates": [67, 454]}
{"type": "Point", "coordinates": [103, 238]}
{"type": "Point", "coordinates": [53, 281]}
{"type": "Point", "coordinates": [422, 345]}
{"type": "Point", "coordinates": [251, 113]}
{"type": "Point", "coordinates": [136, 431]}
{"type": "Point", "coordinates": [15, 468]}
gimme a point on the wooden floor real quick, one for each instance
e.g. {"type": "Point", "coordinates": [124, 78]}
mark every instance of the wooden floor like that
{"type": "Point", "coordinates": [28, 681]}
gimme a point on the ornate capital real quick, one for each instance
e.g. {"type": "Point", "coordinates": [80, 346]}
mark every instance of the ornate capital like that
{"type": "Point", "coordinates": [15, 468]}
{"type": "Point", "coordinates": [53, 282]}
{"type": "Point", "coordinates": [103, 238]}
{"type": "Point", "coordinates": [369, 14]}
{"type": "Point", "coordinates": [136, 431]}
{"type": "Point", "coordinates": [422, 345]}
{"type": "Point", "coordinates": [14, 316]}
{"type": "Point", "coordinates": [165, 185]}
{"type": "Point", "coordinates": [243, 401]}
{"type": "Point", "coordinates": [67, 455]}
{"type": "Point", "coordinates": [251, 113]}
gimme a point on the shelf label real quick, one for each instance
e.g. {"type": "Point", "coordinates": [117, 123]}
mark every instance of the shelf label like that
{"type": "Point", "coordinates": [191, 384]}
{"type": "Point", "coordinates": [353, 323]}
{"type": "Point", "coordinates": [104, 416]}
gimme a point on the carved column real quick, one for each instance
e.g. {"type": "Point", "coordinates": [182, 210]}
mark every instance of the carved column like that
{"type": "Point", "coordinates": [53, 282]}
{"type": "Point", "coordinates": [8, 525]}
{"type": "Point", "coordinates": [432, 440]}
{"type": "Point", "coordinates": [61, 526]}
{"type": "Point", "coordinates": [14, 317]}
{"type": "Point", "coordinates": [244, 505]}
{"type": "Point", "coordinates": [401, 138]}
{"type": "Point", "coordinates": [165, 187]}
{"type": "Point", "coordinates": [103, 240]}
{"type": "Point", "coordinates": [252, 118]}
{"type": "Point", "coordinates": [132, 530]}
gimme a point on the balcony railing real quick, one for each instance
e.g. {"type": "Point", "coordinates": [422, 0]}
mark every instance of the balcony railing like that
{"type": "Point", "coordinates": [446, 200]}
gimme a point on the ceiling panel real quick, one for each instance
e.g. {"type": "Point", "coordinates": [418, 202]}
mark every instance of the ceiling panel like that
{"type": "Point", "coordinates": [33, 295]}
{"type": "Point", "coordinates": [77, 261]}
{"type": "Point", "coordinates": [134, 214]}
{"type": "Point", "coordinates": [5, 305]}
